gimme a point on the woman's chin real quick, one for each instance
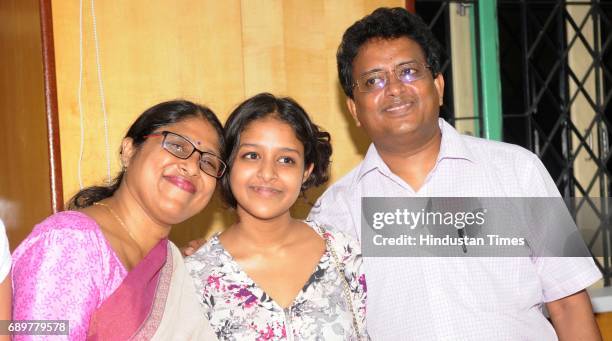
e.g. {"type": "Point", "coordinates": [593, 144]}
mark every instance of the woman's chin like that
{"type": "Point", "coordinates": [171, 216]}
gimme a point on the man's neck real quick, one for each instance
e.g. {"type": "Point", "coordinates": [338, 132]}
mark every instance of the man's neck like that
{"type": "Point", "coordinates": [412, 162]}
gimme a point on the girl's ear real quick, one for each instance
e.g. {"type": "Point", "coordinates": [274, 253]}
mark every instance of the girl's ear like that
{"type": "Point", "coordinates": [307, 173]}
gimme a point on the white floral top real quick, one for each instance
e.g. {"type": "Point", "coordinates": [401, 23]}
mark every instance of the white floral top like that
{"type": "Point", "coordinates": [239, 310]}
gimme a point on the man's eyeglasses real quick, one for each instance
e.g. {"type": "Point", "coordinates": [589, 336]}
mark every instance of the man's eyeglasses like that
{"type": "Point", "coordinates": [378, 80]}
{"type": "Point", "coordinates": [182, 148]}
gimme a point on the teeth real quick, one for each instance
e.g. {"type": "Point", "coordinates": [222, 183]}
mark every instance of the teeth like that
{"type": "Point", "coordinates": [399, 107]}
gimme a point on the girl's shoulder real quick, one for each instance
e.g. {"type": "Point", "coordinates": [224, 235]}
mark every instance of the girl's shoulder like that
{"type": "Point", "coordinates": [209, 254]}
{"type": "Point", "coordinates": [340, 240]}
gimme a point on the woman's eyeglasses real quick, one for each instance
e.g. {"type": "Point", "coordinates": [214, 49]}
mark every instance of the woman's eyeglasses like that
{"type": "Point", "coordinates": [182, 148]}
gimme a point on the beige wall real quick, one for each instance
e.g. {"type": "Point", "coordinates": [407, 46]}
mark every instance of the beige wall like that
{"type": "Point", "coordinates": [462, 69]}
{"type": "Point", "coordinates": [213, 52]}
{"type": "Point", "coordinates": [25, 196]}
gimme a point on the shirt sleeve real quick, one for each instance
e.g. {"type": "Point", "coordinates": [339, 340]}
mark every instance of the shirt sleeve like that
{"type": "Point", "coordinates": [559, 276]}
{"type": "Point", "coordinates": [5, 255]}
{"type": "Point", "coordinates": [564, 276]}
{"type": "Point", "coordinates": [539, 183]}
{"type": "Point", "coordinates": [57, 276]}
{"type": "Point", "coordinates": [332, 209]}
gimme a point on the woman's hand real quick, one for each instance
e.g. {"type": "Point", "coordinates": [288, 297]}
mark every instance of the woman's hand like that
{"type": "Point", "coordinates": [192, 247]}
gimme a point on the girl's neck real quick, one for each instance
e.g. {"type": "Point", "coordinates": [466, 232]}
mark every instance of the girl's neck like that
{"type": "Point", "coordinates": [268, 233]}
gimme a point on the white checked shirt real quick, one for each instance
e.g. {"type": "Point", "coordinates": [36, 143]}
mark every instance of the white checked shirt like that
{"type": "Point", "coordinates": [457, 298]}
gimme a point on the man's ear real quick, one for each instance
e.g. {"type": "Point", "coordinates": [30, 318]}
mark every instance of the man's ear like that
{"type": "Point", "coordinates": [127, 151]}
{"type": "Point", "coordinates": [439, 84]}
{"type": "Point", "coordinates": [307, 173]}
{"type": "Point", "coordinates": [350, 104]}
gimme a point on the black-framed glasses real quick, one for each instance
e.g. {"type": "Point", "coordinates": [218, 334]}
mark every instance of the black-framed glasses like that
{"type": "Point", "coordinates": [182, 148]}
{"type": "Point", "coordinates": [378, 80]}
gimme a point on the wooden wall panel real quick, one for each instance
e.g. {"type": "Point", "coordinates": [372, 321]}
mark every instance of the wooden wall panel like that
{"type": "Point", "coordinates": [25, 197]}
{"type": "Point", "coordinates": [604, 321]}
{"type": "Point", "coordinates": [290, 49]}
{"type": "Point", "coordinates": [149, 52]}
{"type": "Point", "coordinates": [215, 52]}
{"type": "Point", "coordinates": [349, 142]}
{"type": "Point", "coordinates": [263, 46]}
{"type": "Point", "coordinates": [52, 117]}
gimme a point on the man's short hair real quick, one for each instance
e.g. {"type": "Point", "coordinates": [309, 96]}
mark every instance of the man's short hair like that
{"type": "Point", "coordinates": [385, 23]}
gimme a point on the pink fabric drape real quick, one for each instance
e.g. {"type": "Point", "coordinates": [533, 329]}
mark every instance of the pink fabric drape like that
{"type": "Point", "coordinates": [123, 314]}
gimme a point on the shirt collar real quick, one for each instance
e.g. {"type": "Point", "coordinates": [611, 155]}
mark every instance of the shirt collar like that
{"type": "Point", "coordinates": [452, 146]}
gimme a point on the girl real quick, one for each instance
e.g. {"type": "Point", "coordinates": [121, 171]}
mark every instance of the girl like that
{"type": "Point", "coordinates": [270, 276]}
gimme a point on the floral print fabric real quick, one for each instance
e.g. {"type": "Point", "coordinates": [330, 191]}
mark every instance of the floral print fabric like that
{"type": "Point", "coordinates": [239, 310]}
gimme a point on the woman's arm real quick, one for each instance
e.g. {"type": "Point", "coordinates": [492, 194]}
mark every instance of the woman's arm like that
{"type": "Point", "coordinates": [57, 275]}
{"type": "Point", "coordinates": [6, 294]}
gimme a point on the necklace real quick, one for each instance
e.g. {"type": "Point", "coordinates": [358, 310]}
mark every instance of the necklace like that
{"type": "Point", "coordinates": [114, 214]}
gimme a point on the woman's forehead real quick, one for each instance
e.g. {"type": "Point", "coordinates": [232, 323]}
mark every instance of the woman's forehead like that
{"type": "Point", "coordinates": [195, 129]}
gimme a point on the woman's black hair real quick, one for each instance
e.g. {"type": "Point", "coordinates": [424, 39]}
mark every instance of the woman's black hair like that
{"type": "Point", "coordinates": [157, 116]}
{"type": "Point", "coordinates": [385, 23]}
{"type": "Point", "coordinates": [317, 146]}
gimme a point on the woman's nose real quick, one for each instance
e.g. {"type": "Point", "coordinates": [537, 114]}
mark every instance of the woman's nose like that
{"type": "Point", "coordinates": [191, 165]}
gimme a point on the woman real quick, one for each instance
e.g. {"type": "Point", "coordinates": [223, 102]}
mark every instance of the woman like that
{"type": "Point", "coordinates": [5, 279]}
{"type": "Point", "coordinates": [107, 266]}
{"type": "Point", "coordinates": [269, 276]}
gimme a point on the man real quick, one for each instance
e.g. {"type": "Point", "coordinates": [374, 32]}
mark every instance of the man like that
{"type": "Point", "coordinates": [389, 68]}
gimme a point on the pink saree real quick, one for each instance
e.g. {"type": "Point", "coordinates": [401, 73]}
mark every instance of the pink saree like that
{"type": "Point", "coordinates": [135, 309]}
{"type": "Point", "coordinates": [66, 270]}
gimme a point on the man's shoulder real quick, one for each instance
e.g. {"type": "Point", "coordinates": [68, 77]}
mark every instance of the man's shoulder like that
{"type": "Point", "coordinates": [489, 150]}
{"type": "Point", "coordinates": [345, 184]}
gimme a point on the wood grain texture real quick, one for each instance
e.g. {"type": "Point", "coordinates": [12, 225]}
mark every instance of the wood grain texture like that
{"type": "Point", "coordinates": [149, 52]}
{"type": "Point", "coordinates": [217, 53]}
{"type": "Point", "coordinates": [411, 6]}
{"type": "Point", "coordinates": [25, 197]}
{"type": "Point", "coordinates": [604, 321]}
{"type": "Point", "coordinates": [53, 138]}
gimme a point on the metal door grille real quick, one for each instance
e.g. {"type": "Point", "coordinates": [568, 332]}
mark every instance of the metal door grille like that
{"type": "Point", "coordinates": [541, 90]}
{"type": "Point", "coordinates": [436, 15]}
